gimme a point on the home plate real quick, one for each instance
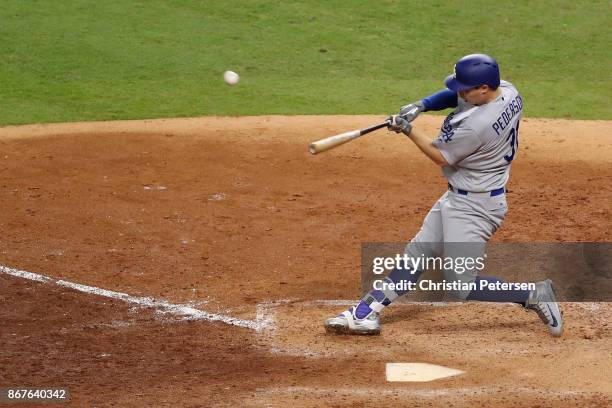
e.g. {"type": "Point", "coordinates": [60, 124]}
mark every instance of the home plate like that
{"type": "Point", "coordinates": [418, 372]}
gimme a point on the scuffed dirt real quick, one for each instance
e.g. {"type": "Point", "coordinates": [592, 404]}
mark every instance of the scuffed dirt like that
{"type": "Point", "coordinates": [233, 212]}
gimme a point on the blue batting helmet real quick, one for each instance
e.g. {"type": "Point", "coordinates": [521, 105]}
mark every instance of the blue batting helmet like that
{"type": "Point", "coordinates": [473, 70]}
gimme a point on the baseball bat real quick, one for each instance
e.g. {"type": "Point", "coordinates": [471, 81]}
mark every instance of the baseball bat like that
{"type": "Point", "coordinates": [336, 140]}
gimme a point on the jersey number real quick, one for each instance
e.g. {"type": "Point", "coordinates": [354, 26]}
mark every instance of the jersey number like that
{"type": "Point", "coordinates": [513, 138]}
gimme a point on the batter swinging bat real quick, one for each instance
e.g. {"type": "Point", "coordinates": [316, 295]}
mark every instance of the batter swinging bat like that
{"type": "Point", "coordinates": [333, 141]}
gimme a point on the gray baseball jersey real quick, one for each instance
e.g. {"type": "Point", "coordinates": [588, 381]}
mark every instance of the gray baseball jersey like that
{"type": "Point", "coordinates": [480, 142]}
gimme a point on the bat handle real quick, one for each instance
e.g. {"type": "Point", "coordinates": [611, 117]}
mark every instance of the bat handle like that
{"type": "Point", "coordinates": [376, 127]}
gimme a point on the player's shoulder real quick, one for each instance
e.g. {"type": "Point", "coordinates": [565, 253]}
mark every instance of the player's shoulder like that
{"type": "Point", "coordinates": [480, 119]}
{"type": "Point", "coordinates": [507, 85]}
{"type": "Point", "coordinates": [509, 91]}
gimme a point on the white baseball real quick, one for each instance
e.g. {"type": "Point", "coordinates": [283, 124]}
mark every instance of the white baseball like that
{"type": "Point", "coordinates": [230, 77]}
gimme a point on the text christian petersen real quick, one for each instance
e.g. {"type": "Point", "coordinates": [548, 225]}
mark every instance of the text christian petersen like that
{"type": "Point", "coordinates": [457, 265]}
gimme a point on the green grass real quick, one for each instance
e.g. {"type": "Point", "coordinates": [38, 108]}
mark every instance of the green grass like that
{"type": "Point", "coordinates": [101, 60]}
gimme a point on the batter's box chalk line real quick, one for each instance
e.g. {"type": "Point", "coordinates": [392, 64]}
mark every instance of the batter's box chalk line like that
{"type": "Point", "coordinates": [266, 311]}
{"type": "Point", "coordinates": [421, 393]}
{"type": "Point", "coordinates": [186, 312]}
{"type": "Point", "coordinates": [265, 314]}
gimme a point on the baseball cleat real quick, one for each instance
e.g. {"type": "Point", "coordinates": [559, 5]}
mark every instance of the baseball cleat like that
{"type": "Point", "coordinates": [347, 323]}
{"type": "Point", "coordinates": [542, 300]}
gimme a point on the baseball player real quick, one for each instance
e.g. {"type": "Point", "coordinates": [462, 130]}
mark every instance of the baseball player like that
{"type": "Point", "coordinates": [476, 145]}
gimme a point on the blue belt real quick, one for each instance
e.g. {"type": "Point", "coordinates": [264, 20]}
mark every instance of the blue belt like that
{"type": "Point", "coordinates": [492, 193]}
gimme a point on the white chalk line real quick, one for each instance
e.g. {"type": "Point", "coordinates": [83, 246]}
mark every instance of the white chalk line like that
{"type": "Point", "coordinates": [346, 302]}
{"type": "Point", "coordinates": [417, 392]}
{"type": "Point", "coordinates": [187, 312]}
{"type": "Point", "coordinates": [265, 312]}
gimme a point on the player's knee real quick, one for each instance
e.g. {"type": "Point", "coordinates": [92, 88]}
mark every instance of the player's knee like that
{"type": "Point", "coordinates": [417, 248]}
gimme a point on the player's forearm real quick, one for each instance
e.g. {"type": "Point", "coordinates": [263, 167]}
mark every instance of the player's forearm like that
{"type": "Point", "coordinates": [424, 143]}
{"type": "Point", "coordinates": [440, 100]}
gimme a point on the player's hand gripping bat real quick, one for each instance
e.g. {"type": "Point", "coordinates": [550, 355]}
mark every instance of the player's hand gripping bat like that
{"type": "Point", "coordinates": [333, 141]}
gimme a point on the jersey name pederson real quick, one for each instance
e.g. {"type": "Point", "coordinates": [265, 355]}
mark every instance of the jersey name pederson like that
{"type": "Point", "coordinates": [514, 107]}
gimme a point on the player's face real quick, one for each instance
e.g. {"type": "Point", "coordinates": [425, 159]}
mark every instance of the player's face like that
{"type": "Point", "coordinates": [474, 95]}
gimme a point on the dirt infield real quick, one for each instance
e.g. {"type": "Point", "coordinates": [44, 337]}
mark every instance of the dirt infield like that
{"type": "Point", "coordinates": [233, 217]}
